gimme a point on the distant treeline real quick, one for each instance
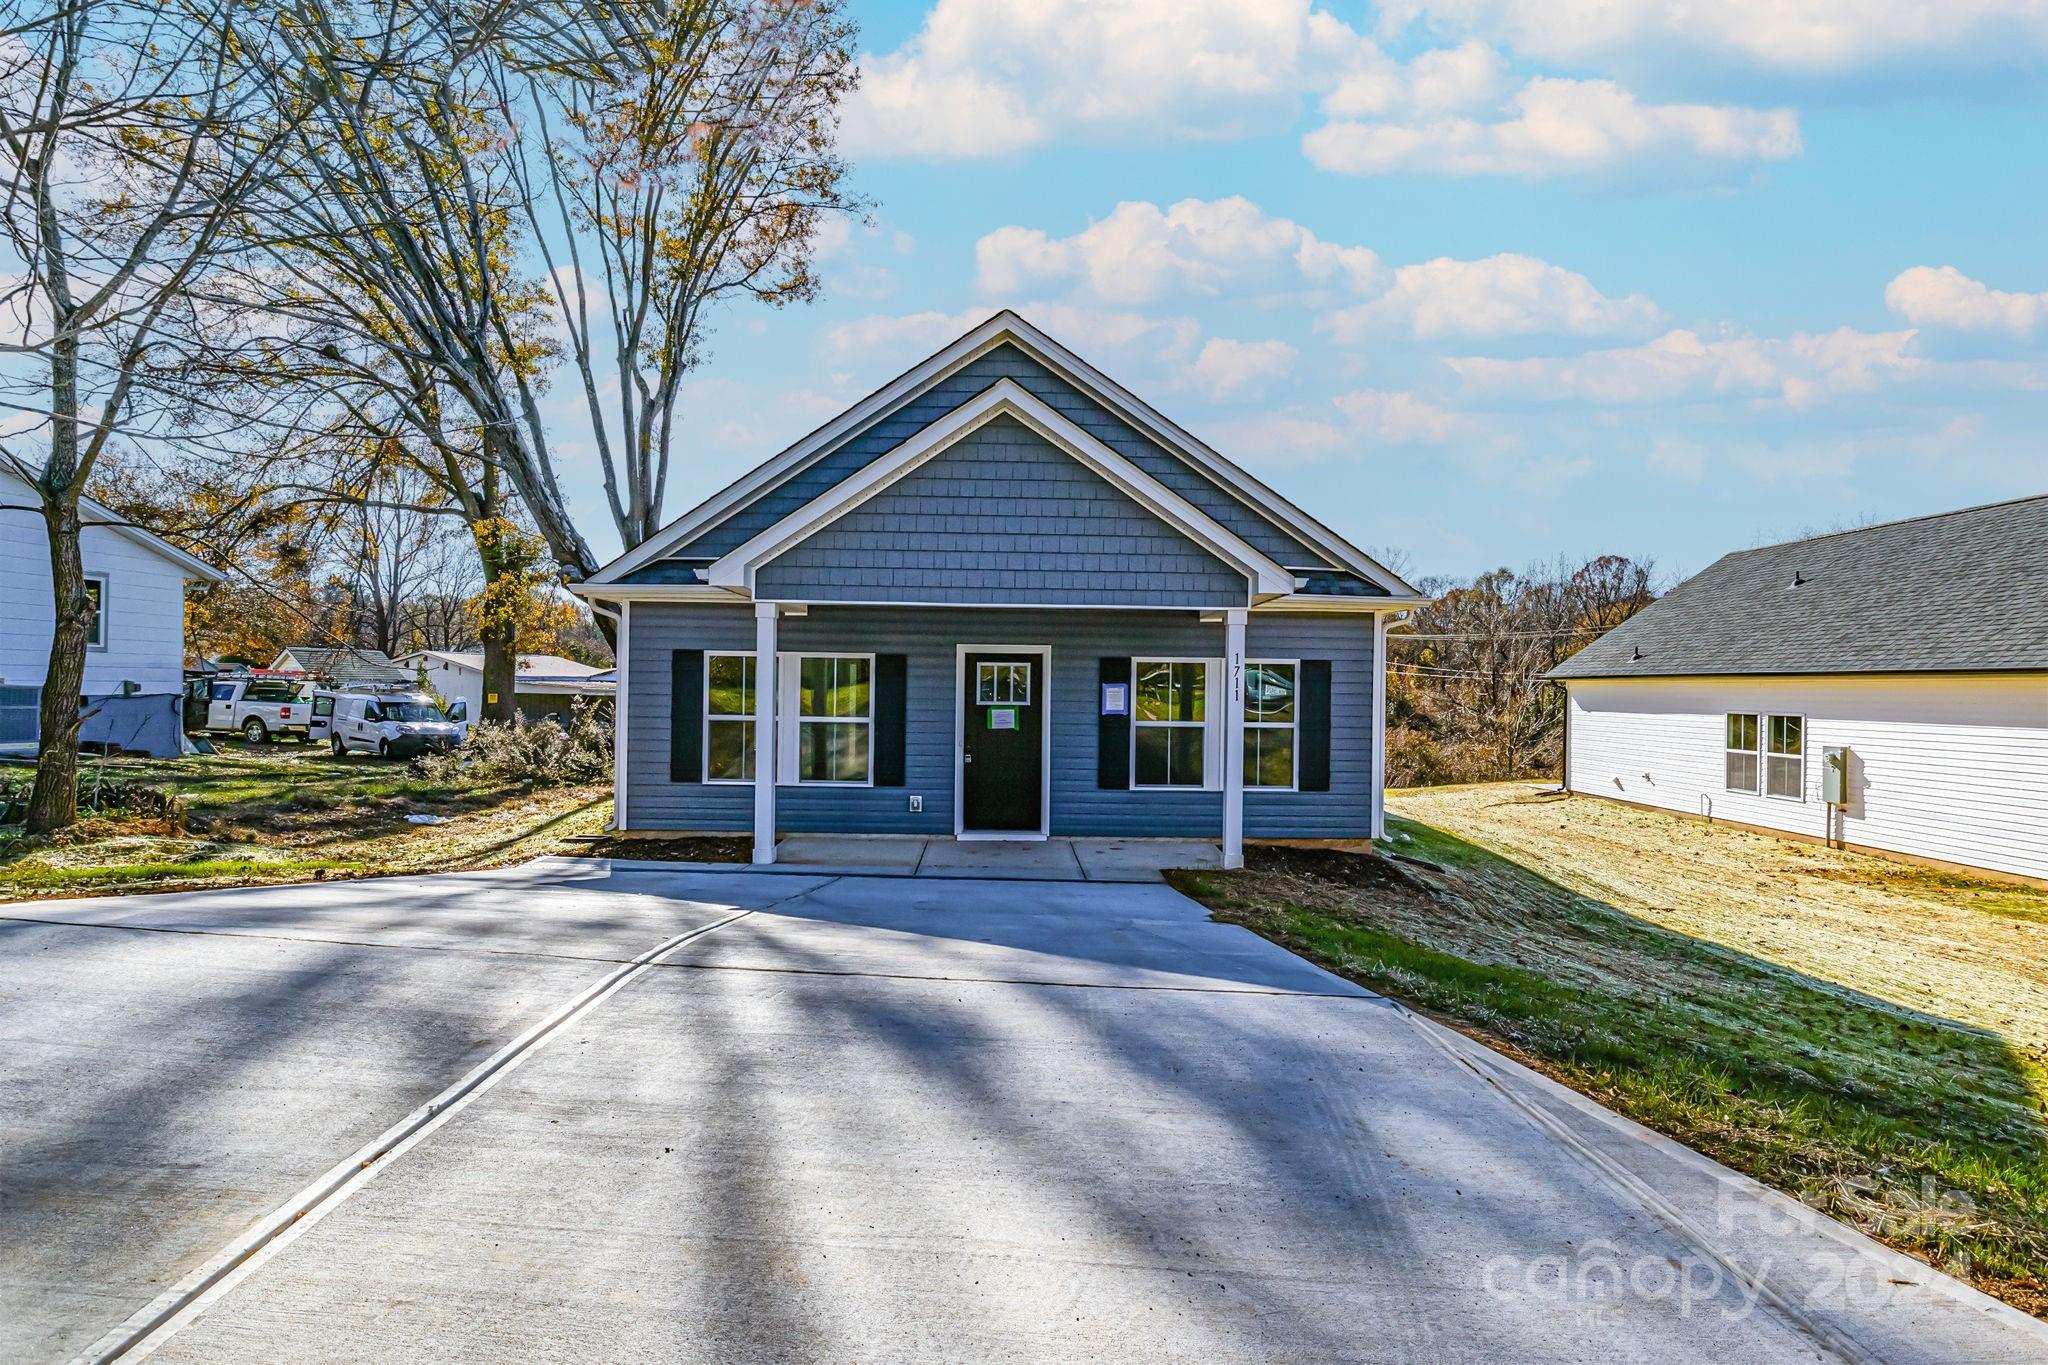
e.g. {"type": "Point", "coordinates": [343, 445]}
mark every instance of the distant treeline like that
{"type": "Point", "coordinates": [1466, 699]}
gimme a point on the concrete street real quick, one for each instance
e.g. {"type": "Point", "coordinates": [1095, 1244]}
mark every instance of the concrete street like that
{"type": "Point", "coordinates": [874, 1118]}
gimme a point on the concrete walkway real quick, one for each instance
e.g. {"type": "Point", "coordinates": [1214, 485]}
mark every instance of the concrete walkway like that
{"type": "Point", "coordinates": [576, 1110]}
{"type": "Point", "coordinates": [1054, 860]}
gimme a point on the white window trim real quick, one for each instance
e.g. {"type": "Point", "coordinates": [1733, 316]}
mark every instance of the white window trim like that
{"type": "Point", "coordinates": [1045, 723]}
{"type": "Point", "coordinates": [101, 616]}
{"type": "Point", "coordinates": [704, 739]}
{"type": "Point", "coordinates": [1211, 723]}
{"type": "Point", "coordinates": [1294, 726]}
{"type": "Point", "coordinates": [1763, 742]}
{"type": "Point", "coordinates": [1757, 753]}
{"type": "Point", "coordinates": [789, 688]}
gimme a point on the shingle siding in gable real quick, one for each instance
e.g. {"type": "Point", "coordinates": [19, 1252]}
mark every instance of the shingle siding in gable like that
{"type": "Point", "coordinates": [1004, 362]}
{"type": "Point", "coordinates": [1002, 516]}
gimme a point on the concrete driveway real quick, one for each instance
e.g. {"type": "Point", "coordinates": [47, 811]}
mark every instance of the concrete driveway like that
{"type": "Point", "coordinates": [845, 1118]}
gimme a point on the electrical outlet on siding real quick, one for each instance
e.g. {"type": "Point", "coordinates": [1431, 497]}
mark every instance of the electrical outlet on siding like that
{"type": "Point", "coordinates": [916, 805]}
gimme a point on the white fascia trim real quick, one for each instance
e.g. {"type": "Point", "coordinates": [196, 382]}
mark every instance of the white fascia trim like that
{"type": "Point", "coordinates": [1005, 397]}
{"type": "Point", "coordinates": [743, 490]}
{"type": "Point", "coordinates": [1006, 326]}
{"type": "Point", "coordinates": [1309, 602]}
{"type": "Point", "coordinates": [657, 592]}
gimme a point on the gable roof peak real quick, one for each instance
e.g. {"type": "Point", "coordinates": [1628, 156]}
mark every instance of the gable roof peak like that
{"type": "Point", "coordinates": [1007, 326]}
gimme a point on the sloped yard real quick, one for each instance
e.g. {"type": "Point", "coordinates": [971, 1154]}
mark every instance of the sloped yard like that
{"type": "Point", "coordinates": [1868, 1036]}
{"type": "Point", "coordinates": [275, 813]}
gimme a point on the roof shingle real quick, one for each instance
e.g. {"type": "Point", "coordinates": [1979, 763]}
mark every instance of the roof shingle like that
{"type": "Point", "coordinates": [1958, 592]}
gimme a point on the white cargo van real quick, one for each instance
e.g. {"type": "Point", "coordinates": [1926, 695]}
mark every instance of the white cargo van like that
{"type": "Point", "coordinates": [390, 724]}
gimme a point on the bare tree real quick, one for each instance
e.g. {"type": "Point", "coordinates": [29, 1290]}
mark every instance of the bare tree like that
{"type": "Point", "coordinates": [1466, 697]}
{"type": "Point", "coordinates": [700, 174]}
{"type": "Point", "coordinates": [127, 146]}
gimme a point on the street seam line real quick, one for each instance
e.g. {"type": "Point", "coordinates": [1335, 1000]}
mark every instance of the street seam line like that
{"type": "Point", "coordinates": [151, 1326]}
{"type": "Point", "coordinates": [1829, 1338]}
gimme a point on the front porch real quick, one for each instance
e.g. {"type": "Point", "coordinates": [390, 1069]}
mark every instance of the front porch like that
{"type": "Point", "coordinates": [1053, 860]}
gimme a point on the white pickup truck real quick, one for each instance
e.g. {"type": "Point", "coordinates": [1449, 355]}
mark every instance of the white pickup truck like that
{"type": "Point", "coordinates": [262, 708]}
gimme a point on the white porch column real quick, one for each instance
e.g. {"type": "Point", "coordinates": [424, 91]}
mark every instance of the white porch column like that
{"type": "Point", "coordinates": [624, 658]}
{"type": "Point", "coordinates": [765, 757]}
{"type": "Point", "coordinates": [1378, 775]}
{"type": "Point", "coordinates": [1233, 737]}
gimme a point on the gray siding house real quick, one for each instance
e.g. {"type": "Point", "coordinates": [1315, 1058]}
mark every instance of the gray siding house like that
{"type": "Point", "coordinates": [1000, 598]}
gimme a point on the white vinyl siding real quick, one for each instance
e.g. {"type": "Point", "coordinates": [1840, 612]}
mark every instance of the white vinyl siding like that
{"type": "Point", "coordinates": [142, 624]}
{"type": "Point", "coordinates": [1952, 767]}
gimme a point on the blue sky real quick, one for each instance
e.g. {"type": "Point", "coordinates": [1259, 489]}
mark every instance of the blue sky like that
{"type": "Point", "coordinates": [1486, 281]}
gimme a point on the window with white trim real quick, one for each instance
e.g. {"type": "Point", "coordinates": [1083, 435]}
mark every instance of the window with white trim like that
{"type": "Point", "coordinates": [1785, 757]}
{"type": "Point", "coordinates": [1170, 723]}
{"type": "Point", "coordinates": [834, 717]}
{"type": "Point", "coordinates": [1271, 721]}
{"type": "Point", "coordinates": [728, 718]}
{"type": "Point", "coordinates": [1741, 766]}
{"type": "Point", "coordinates": [1002, 683]}
{"type": "Point", "coordinates": [96, 612]}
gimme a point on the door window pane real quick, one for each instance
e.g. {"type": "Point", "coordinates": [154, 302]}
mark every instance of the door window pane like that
{"type": "Point", "coordinates": [1002, 684]}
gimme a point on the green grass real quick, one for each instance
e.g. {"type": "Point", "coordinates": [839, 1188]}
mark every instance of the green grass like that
{"type": "Point", "coordinates": [288, 812]}
{"type": "Point", "coordinates": [1927, 1132]}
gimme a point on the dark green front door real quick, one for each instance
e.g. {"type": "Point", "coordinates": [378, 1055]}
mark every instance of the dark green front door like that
{"type": "Point", "coordinates": [1002, 759]}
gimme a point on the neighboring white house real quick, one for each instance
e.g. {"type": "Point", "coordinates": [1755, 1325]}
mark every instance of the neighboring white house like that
{"type": "Point", "coordinates": [545, 684]}
{"type": "Point", "coordinates": [1913, 655]}
{"type": "Point", "coordinates": [138, 581]}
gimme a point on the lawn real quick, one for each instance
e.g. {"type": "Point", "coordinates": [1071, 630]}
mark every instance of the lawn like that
{"type": "Point", "coordinates": [286, 813]}
{"type": "Point", "coordinates": [1870, 1037]}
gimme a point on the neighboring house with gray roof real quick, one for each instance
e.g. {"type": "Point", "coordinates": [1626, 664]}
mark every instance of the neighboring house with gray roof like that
{"type": "Point", "coordinates": [1000, 597]}
{"type": "Point", "coordinates": [341, 665]}
{"type": "Point", "coordinates": [1911, 658]}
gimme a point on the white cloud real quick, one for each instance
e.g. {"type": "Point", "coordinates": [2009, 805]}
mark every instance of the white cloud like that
{"type": "Point", "coordinates": [1800, 370]}
{"type": "Point", "coordinates": [1800, 37]}
{"type": "Point", "coordinates": [1505, 295]}
{"type": "Point", "coordinates": [1115, 338]}
{"type": "Point", "coordinates": [907, 337]}
{"type": "Point", "coordinates": [987, 77]}
{"type": "Point", "coordinates": [1234, 369]}
{"type": "Point", "coordinates": [1276, 438]}
{"type": "Point", "coordinates": [1930, 296]}
{"type": "Point", "coordinates": [1442, 81]}
{"type": "Point", "coordinates": [1231, 248]}
{"type": "Point", "coordinates": [1556, 127]}
{"type": "Point", "coordinates": [1142, 253]}
{"type": "Point", "coordinates": [1394, 418]}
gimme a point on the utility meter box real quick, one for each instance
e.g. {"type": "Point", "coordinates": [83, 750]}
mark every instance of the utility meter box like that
{"type": "Point", "coordinates": [1834, 775]}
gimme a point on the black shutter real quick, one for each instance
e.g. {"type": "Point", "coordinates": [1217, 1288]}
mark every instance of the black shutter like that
{"type": "Point", "coordinates": [890, 671]}
{"type": "Point", "coordinates": [686, 715]}
{"type": "Point", "coordinates": [1113, 733]}
{"type": "Point", "coordinates": [1314, 701]}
